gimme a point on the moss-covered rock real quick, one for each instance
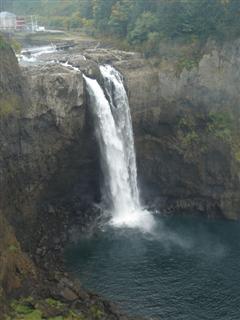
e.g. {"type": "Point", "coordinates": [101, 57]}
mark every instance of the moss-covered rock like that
{"type": "Point", "coordinates": [52, 309]}
{"type": "Point", "coordinates": [15, 266]}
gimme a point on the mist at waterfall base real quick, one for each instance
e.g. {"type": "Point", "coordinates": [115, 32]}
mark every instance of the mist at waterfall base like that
{"type": "Point", "coordinates": [188, 269]}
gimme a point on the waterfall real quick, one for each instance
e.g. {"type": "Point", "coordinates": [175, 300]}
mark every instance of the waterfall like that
{"type": "Point", "coordinates": [121, 112]}
{"type": "Point", "coordinates": [114, 132]}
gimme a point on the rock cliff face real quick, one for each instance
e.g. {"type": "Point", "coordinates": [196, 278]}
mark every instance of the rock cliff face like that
{"type": "Point", "coordinates": [187, 127]}
{"type": "Point", "coordinates": [48, 168]}
{"type": "Point", "coordinates": [11, 99]}
{"type": "Point", "coordinates": [51, 149]}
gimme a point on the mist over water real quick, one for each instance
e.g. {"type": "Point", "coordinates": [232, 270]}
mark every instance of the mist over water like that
{"type": "Point", "coordinates": [187, 269]}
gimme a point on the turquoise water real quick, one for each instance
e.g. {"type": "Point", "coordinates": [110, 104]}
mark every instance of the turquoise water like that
{"type": "Point", "coordinates": [188, 269]}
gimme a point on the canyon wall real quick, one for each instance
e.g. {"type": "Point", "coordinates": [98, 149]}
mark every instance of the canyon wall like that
{"type": "Point", "coordinates": [186, 126]}
{"type": "Point", "coordinates": [47, 159]}
{"type": "Point", "coordinates": [11, 99]}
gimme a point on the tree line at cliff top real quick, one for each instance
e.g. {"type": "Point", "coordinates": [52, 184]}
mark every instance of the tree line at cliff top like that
{"type": "Point", "coordinates": [141, 23]}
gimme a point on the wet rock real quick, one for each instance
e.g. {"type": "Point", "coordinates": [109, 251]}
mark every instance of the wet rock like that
{"type": "Point", "coordinates": [68, 294]}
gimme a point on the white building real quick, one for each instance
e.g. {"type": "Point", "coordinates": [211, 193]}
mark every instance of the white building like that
{"type": "Point", "coordinates": [7, 21]}
{"type": "Point", "coordinates": [40, 29]}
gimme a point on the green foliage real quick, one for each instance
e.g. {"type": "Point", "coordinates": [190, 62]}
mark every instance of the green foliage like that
{"type": "Point", "coordinates": [147, 23]}
{"type": "Point", "coordinates": [3, 43]}
{"type": "Point", "coordinates": [23, 309]}
{"type": "Point", "coordinates": [28, 309]}
{"type": "Point", "coordinates": [119, 17]}
{"type": "Point", "coordinates": [15, 45]}
{"type": "Point", "coordinates": [12, 248]}
{"type": "Point", "coordinates": [96, 312]}
{"type": "Point", "coordinates": [12, 42]}
{"type": "Point", "coordinates": [190, 142]}
{"type": "Point", "coordinates": [54, 303]}
{"type": "Point", "coordinates": [225, 128]}
{"type": "Point", "coordinates": [186, 63]}
{"type": "Point", "coordinates": [43, 7]}
{"type": "Point", "coordinates": [195, 132]}
{"type": "Point", "coordinates": [9, 106]}
{"type": "Point", "coordinates": [221, 125]}
{"type": "Point", "coordinates": [143, 23]}
{"type": "Point", "coordinates": [237, 153]}
{"type": "Point", "coordinates": [34, 315]}
{"type": "Point", "coordinates": [75, 21]}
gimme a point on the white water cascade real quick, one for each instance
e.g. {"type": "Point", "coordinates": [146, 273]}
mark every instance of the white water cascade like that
{"type": "Point", "coordinates": [31, 55]}
{"type": "Point", "coordinates": [115, 136]}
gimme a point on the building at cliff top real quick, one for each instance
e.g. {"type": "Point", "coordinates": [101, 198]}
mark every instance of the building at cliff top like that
{"type": "Point", "coordinates": [10, 22]}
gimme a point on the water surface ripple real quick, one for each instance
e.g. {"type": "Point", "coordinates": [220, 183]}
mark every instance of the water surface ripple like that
{"type": "Point", "coordinates": [188, 269]}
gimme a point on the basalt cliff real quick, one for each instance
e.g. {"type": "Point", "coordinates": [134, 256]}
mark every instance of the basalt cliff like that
{"type": "Point", "coordinates": [186, 127]}
{"type": "Point", "coordinates": [49, 182]}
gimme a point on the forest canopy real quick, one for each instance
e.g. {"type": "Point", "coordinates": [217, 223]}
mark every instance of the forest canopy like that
{"type": "Point", "coordinates": [139, 22]}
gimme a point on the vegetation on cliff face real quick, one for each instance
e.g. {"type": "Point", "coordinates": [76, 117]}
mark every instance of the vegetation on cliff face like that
{"type": "Point", "coordinates": [10, 80]}
{"type": "Point", "coordinates": [194, 133]}
{"type": "Point", "coordinates": [6, 46]}
{"type": "Point", "coordinates": [9, 105]}
{"type": "Point", "coordinates": [3, 43]}
{"type": "Point", "coordinates": [15, 266]}
{"type": "Point", "coordinates": [50, 309]}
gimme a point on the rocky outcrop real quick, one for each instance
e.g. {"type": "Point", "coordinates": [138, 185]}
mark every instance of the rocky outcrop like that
{"type": "Point", "coordinates": [51, 141]}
